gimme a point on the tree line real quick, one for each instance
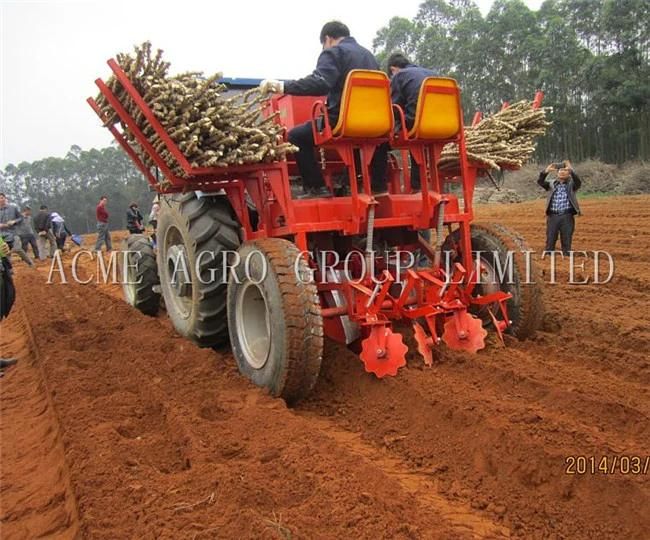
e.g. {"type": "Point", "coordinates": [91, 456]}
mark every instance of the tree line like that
{"type": "Point", "coordinates": [73, 185]}
{"type": "Point", "coordinates": [589, 57]}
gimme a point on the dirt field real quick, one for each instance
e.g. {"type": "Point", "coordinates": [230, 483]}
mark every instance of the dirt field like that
{"type": "Point", "coordinates": [114, 427]}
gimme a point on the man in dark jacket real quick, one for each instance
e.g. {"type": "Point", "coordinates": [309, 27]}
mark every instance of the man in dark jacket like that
{"type": "Point", "coordinates": [43, 228]}
{"type": "Point", "coordinates": [341, 54]}
{"type": "Point", "coordinates": [134, 219]}
{"type": "Point", "coordinates": [406, 80]}
{"type": "Point", "coordinates": [561, 204]}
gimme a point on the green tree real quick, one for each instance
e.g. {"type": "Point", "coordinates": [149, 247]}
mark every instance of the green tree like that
{"type": "Point", "coordinates": [72, 185]}
{"type": "Point", "coordinates": [399, 35]}
{"type": "Point", "coordinates": [590, 57]}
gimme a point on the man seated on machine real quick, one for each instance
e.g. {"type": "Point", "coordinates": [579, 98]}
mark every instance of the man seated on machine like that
{"type": "Point", "coordinates": [341, 54]}
{"type": "Point", "coordinates": [405, 82]}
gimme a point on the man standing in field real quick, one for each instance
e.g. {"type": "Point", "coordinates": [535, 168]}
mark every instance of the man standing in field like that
{"type": "Point", "coordinates": [134, 219]}
{"type": "Point", "coordinates": [25, 231]}
{"type": "Point", "coordinates": [103, 235]}
{"type": "Point", "coordinates": [561, 204]}
{"type": "Point", "coordinates": [44, 234]}
{"type": "Point", "coordinates": [10, 218]}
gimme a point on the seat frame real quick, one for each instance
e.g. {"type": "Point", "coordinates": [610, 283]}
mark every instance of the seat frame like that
{"type": "Point", "coordinates": [334, 138]}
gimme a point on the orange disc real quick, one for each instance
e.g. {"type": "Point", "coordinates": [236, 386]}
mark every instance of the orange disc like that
{"type": "Point", "coordinates": [472, 328]}
{"type": "Point", "coordinates": [383, 354]}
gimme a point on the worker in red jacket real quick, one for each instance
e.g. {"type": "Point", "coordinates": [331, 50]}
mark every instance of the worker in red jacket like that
{"type": "Point", "coordinates": [103, 235]}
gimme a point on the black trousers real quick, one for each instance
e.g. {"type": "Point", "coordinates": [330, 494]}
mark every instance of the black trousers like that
{"type": "Point", "coordinates": [29, 240]}
{"type": "Point", "coordinates": [312, 176]}
{"type": "Point", "coordinates": [562, 224]}
{"type": "Point", "coordinates": [416, 182]}
{"type": "Point", "coordinates": [415, 174]}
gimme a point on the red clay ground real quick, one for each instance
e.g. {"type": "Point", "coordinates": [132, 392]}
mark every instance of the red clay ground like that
{"type": "Point", "coordinates": [113, 427]}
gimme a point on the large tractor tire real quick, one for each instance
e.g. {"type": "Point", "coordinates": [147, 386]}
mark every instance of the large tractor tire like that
{"type": "Point", "coordinates": [197, 238]}
{"type": "Point", "coordinates": [526, 307]}
{"type": "Point", "coordinates": [275, 323]}
{"type": "Point", "coordinates": [141, 274]}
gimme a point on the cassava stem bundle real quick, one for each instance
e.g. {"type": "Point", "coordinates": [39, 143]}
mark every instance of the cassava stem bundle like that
{"type": "Point", "coordinates": [211, 130]}
{"type": "Point", "coordinates": [505, 139]}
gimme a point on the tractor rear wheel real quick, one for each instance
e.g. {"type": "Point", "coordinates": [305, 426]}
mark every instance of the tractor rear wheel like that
{"type": "Point", "coordinates": [274, 319]}
{"type": "Point", "coordinates": [525, 308]}
{"type": "Point", "coordinates": [197, 238]}
{"type": "Point", "coordinates": [141, 274]}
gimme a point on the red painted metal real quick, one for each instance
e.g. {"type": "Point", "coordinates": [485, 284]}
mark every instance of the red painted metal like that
{"type": "Point", "coordinates": [150, 116]}
{"type": "Point", "coordinates": [383, 352]}
{"type": "Point", "coordinates": [126, 118]}
{"type": "Point", "coordinates": [119, 137]}
{"type": "Point", "coordinates": [499, 326]}
{"type": "Point", "coordinates": [464, 332]}
{"type": "Point", "coordinates": [430, 298]}
{"type": "Point", "coordinates": [292, 110]}
{"type": "Point", "coordinates": [425, 343]}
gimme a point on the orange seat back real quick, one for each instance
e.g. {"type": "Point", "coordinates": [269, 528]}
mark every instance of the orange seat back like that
{"type": "Point", "coordinates": [438, 112]}
{"type": "Point", "coordinates": [366, 110]}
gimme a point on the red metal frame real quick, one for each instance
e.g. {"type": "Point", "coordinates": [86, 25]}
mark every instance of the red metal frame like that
{"type": "Point", "coordinates": [432, 295]}
{"type": "Point", "coordinates": [426, 154]}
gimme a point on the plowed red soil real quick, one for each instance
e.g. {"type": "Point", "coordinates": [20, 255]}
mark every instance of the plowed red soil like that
{"type": "Point", "coordinates": [115, 427]}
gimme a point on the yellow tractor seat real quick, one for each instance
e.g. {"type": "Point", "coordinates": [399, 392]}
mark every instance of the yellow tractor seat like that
{"type": "Point", "coordinates": [438, 112]}
{"type": "Point", "coordinates": [366, 110]}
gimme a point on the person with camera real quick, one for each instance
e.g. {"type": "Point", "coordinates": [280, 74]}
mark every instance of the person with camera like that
{"type": "Point", "coordinates": [561, 204]}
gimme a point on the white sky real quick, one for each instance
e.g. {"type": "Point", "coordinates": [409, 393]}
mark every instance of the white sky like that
{"type": "Point", "coordinates": [52, 51]}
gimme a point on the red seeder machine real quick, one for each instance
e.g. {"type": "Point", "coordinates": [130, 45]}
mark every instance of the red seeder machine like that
{"type": "Point", "coordinates": [339, 267]}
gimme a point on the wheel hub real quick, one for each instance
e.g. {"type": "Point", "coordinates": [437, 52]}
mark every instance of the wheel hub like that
{"type": "Point", "coordinates": [253, 325]}
{"type": "Point", "coordinates": [129, 285]}
{"type": "Point", "coordinates": [178, 268]}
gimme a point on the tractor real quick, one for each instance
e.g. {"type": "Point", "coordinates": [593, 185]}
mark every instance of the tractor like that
{"type": "Point", "coordinates": [274, 275]}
